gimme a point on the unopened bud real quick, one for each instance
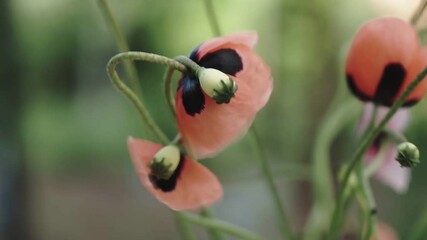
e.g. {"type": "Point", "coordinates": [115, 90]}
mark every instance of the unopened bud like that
{"type": "Point", "coordinates": [217, 85]}
{"type": "Point", "coordinates": [165, 162]}
{"type": "Point", "coordinates": [408, 155]}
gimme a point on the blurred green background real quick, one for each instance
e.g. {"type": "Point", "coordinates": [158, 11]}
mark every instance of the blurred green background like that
{"type": "Point", "coordinates": [64, 168]}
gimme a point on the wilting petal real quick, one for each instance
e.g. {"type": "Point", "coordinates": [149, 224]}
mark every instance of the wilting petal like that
{"type": "Point", "coordinates": [196, 186]}
{"type": "Point", "coordinates": [380, 61]}
{"type": "Point", "coordinates": [218, 125]}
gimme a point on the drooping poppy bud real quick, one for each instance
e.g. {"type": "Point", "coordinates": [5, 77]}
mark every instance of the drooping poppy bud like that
{"type": "Point", "coordinates": [384, 58]}
{"type": "Point", "coordinates": [165, 162]}
{"type": "Point", "coordinates": [408, 155]}
{"type": "Point", "coordinates": [217, 84]}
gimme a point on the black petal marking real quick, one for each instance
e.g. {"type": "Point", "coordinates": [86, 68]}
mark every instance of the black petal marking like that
{"type": "Point", "coordinates": [169, 184]}
{"type": "Point", "coordinates": [194, 55]}
{"type": "Point", "coordinates": [226, 60]}
{"type": "Point", "coordinates": [193, 98]}
{"type": "Point", "coordinates": [353, 88]}
{"type": "Point", "coordinates": [390, 83]}
{"type": "Point", "coordinates": [410, 102]}
{"type": "Point", "coordinates": [381, 137]}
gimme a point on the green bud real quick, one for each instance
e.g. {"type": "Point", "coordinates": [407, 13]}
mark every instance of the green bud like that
{"type": "Point", "coordinates": [217, 85]}
{"type": "Point", "coordinates": [408, 155]}
{"type": "Point", "coordinates": [165, 162]}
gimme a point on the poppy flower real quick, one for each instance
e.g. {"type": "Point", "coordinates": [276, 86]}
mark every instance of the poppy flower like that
{"type": "Point", "coordinates": [208, 124]}
{"type": "Point", "coordinates": [189, 186]}
{"type": "Point", "coordinates": [384, 58]}
{"type": "Point", "coordinates": [389, 172]}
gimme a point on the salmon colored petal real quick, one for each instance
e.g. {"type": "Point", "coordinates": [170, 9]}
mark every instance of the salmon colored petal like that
{"type": "Point", "coordinates": [378, 43]}
{"type": "Point", "coordinates": [218, 125]}
{"type": "Point", "coordinates": [247, 38]}
{"type": "Point", "coordinates": [196, 185]}
{"type": "Point", "coordinates": [418, 64]}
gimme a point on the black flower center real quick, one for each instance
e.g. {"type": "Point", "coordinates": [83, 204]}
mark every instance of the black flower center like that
{"type": "Point", "coordinates": [226, 60]}
{"type": "Point", "coordinates": [168, 185]}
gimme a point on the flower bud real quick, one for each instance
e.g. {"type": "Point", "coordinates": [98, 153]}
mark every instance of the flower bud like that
{"type": "Point", "coordinates": [165, 162]}
{"type": "Point", "coordinates": [217, 84]}
{"type": "Point", "coordinates": [408, 155]}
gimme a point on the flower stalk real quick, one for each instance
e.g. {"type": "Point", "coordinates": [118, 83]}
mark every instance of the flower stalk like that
{"type": "Point", "coordinates": [366, 142]}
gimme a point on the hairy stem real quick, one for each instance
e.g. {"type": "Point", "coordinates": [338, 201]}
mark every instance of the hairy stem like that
{"type": "Point", "coordinates": [121, 86]}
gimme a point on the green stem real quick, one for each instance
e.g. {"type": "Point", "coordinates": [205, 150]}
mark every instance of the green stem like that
{"type": "Point", "coordinates": [418, 13]}
{"type": "Point", "coordinates": [419, 230]}
{"type": "Point", "coordinates": [221, 226]}
{"type": "Point", "coordinates": [213, 20]}
{"type": "Point", "coordinates": [330, 126]}
{"type": "Point", "coordinates": [122, 45]}
{"type": "Point", "coordinates": [378, 160]}
{"type": "Point", "coordinates": [169, 93]}
{"type": "Point", "coordinates": [213, 233]}
{"type": "Point", "coordinates": [121, 86]}
{"type": "Point", "coordinates": [366, 142]}
{"type": "Point", "coordinates": [266, 170]}
{"type": "Point", "coordinates": [183, 227]}
{"type": "Point", "coordinates": [369, 200]}
{"type": "Point", "coordinates": [190, 64]}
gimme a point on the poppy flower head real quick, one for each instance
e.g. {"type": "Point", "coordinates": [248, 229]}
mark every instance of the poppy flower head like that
{"type": "Point", "coordinates": [384, 58]}
{"type": "Point", "coordinates": [189, 185]}
{"type": "Point", "coordinates": [208, 125]}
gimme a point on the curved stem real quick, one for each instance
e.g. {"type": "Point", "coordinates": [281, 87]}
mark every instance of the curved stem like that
{"type": "Point", "coordinates": [169, 93]}
{"type": "Point", "coordinates": [183, 227]}
{"type": "Point", "coordinates": [366, 142]}
{"type": "Point", "coordinates": [221, 226]}
{"type": "Point", "coordinates": [121, 86]}
{"type": "Point", "coordinates": [268, 175]}
{"type": "Point", "coordinates": [122, 45]}
{"type": "Point", "coordinates": [368, 198]}
{"type": "Point", "coordinates": [190, 64]}
{"type": "Point", "coordinates": [330, 126]}
{"type": "Point", "coordinates": [378, 160]}
{"type": "Point", "coordinates": [213, 233]}
{"type": "Point", "coordinates": [213, 20]}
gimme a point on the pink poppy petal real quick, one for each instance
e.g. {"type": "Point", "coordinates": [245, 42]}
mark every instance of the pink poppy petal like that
{"type": "Point", "coordinates": [247, 38]}
{"type": "Point", "coordinates": [219, 125]}
{"type": "Point", "coordinates": [196, 185]}
{"type": "Point", "coordinates": [397, 123]}
{"type": "Point", "coordinates": [392, 174]}
{"type": "Point", "coordinates": [419, 62]}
